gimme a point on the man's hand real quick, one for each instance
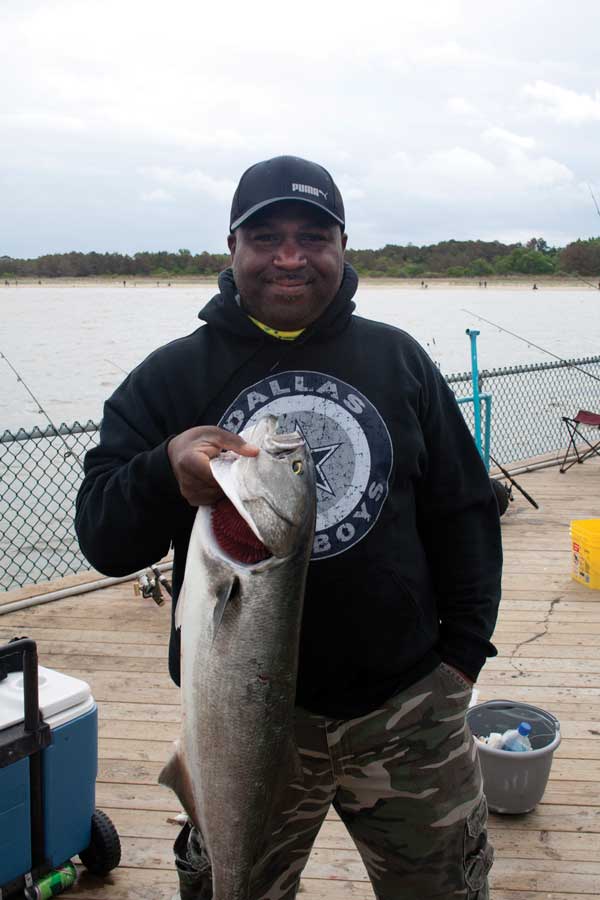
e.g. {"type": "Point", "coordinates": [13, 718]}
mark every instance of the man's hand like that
{"type": "Point", "coordinates": [190, 453]}
{"type": "Point", "coordinates": [462, 674]}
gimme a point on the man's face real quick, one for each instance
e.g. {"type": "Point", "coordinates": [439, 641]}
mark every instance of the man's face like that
{"type": "Point", "coordinates": [288, 261]}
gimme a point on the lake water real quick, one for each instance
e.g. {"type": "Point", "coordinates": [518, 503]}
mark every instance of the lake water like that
{"type": "Point", "coordinates": [70, 344]}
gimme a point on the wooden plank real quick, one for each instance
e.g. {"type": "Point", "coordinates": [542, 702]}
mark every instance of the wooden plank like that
{"type": "Point", "coordinates": [17, 623]}
{"type": "Point", "coordinates": [521, 674]}
{"type": "Point", "coordinates": [87, 649]}
{"type": "Point", "coordinates": [543, 664]}
{"type": "Point", "coordinates": [103, 663]}
{"type": "Point", "coordinates": [150, 713]}
{"type": "Point", "coordinates": [549, 651]}
{"type": "Point", "coordinates": [580, 879]}
{"type": "Point", "coordinates": [35, 590]}
{"type": "Point", "coordinates": [590, 614]}
{"type": "Point", "coordinates": [159, 884]}
{"type": "Point", "coordinates": [135, 796]}
{"type": "Point", "coordinates": [545, 844]}
{"type": "Point", "coordinates": [550, 817]}
{"type": "Point", "coordinates": [133, 750]}
{"type": "Point", "coordinates": [579, 793]}
{"type": "Point", "coordinates": [125, 729]}
{"type": "Point", "coordinates": [508, 635]}
{"type": "Point", "coordinates": [42, 617]}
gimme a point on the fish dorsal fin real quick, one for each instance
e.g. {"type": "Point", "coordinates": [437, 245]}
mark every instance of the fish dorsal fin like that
{"type": "Point", "coordinates": [176, 776]}
{"type": "Point", "coordinates": [228, 591]}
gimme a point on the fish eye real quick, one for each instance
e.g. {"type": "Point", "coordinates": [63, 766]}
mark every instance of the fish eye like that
{"type": "Point", "coordinates": [297, 467]}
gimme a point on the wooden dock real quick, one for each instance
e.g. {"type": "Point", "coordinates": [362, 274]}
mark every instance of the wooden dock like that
{"type": "Point", "coordinates": [547, 636]}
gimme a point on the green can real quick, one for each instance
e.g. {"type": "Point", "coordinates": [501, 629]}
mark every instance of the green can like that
{"type": "Point", "coordinates": [53, 883]}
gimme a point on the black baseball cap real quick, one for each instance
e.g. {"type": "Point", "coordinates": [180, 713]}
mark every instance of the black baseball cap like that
{"type": "Point", "coordinates": [285, 178]}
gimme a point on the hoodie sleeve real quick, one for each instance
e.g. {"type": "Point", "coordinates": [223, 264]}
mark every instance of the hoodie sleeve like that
{"type": "Point", "coordinates": [126, 504]}
{"type": "Point", "coordinates": [460, 527]}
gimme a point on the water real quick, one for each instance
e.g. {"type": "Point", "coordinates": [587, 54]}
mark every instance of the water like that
{"type": "Point", "coordinates": [71, 344]}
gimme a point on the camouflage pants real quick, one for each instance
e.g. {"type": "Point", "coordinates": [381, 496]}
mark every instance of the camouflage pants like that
{"type": "Point", "coordinates": [404, 779]}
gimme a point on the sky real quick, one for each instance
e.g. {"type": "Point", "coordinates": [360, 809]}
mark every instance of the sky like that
{"type": "Point", "coordinates": [125, 125]}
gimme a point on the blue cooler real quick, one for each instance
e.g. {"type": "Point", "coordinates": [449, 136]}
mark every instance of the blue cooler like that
{"type": "Point", "coordinates": [48, 779]}
{"type": "Point", "coordinates": [15, 820]}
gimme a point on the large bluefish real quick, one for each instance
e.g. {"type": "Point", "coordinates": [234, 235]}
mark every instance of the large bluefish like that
{"type": "Point", "coordinates": [240, 626]}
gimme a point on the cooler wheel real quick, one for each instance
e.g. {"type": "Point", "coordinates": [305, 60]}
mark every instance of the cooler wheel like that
{"type": "Point", "coordinates": [104, 853]}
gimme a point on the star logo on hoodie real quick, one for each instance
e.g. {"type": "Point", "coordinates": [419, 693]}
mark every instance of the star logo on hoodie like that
{"type": "Point", "coordinates": [348, 440]}
{"type": "Point", "coordinates": [320, 455]}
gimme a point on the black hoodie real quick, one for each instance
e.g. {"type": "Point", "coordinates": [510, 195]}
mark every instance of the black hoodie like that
{"type": "Point", "coordinates": [407, 555]}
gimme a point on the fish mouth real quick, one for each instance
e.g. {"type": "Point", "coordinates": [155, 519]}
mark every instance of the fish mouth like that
{"type": "Point", "coordinates": [234, 536]}
{"type": "Point", "coordinates": [280, 446]}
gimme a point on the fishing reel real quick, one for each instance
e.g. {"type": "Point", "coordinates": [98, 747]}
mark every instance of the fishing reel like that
{"type": "Point", "coordinates": [151, 583]}
{"type": "Point", "coordinates": [504, 494]}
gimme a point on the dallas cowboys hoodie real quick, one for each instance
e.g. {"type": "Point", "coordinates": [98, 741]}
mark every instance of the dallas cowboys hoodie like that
{"type": "Point", "coordinates": [406, 561]}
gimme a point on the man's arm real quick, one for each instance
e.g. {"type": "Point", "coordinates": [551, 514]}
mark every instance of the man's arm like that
{"type": "Point", "coordinates": [460, 527]}
{"type": "Point", "coordinates": [141, 481]}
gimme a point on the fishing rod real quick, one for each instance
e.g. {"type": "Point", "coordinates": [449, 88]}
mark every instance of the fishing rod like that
{"type": "Point", "coordinates": [531, 344]}
{"type": "Point", "coordinates": [594, 199]}
{"type": "Point", "coordinates": [576, 274]}
{"type": "Point", "coordinates": [513, 482]}
{"type": "Point", "coordinates": [41, 409]}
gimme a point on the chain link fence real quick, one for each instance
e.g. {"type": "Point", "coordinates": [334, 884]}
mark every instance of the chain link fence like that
{"type": "Point", "coordinates": [40, 470]}
{"type": "Point", "coordinates": [528, 403]}
{"type": "Point", "coordinates": [40, 473]}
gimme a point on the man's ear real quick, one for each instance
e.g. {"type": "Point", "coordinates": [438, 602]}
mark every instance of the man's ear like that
{"type": "Point", "coordinates": [231, 242]}
{"type": "Point", "coordinates": [344, 240]}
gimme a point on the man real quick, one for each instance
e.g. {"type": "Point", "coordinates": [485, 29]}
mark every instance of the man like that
{"type": "Point", "coordinates": [403, 586]}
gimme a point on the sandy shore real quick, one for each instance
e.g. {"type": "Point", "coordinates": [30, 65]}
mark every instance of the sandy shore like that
{"type": "Point", "coordinates": [181, 281]}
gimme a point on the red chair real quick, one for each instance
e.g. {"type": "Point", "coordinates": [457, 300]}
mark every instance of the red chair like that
{"type": "Point", "coordinates": [587, 420]}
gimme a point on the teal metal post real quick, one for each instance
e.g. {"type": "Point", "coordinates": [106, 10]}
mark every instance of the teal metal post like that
{"type": "Point", "coordinates": [475, 379]}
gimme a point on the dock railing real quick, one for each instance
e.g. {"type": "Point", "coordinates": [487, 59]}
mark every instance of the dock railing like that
{"type": "Point", "coordinates": [40, 469]}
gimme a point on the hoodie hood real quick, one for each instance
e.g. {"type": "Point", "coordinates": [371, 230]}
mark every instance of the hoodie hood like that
{"type": "Point", "coordinates": [225, 313]}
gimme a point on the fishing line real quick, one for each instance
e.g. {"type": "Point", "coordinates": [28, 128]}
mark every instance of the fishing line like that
{"type": "Point", "coordinates": [40, 407]}
{"type": "Point", "coordinates": [120, 368]}
{"type": "Point", "coordinates": [594, 199]}
{"type": "Point", "coordinates": [531, 344]}
{"type": "Point", "coordinates": [585, 281]}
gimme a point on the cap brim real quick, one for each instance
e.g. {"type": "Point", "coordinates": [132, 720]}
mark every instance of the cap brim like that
{"type": "Point", "coordinates": [254, 209]}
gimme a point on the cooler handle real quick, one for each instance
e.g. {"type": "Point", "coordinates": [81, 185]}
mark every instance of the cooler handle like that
{"type": "Point", "coordinates": [28, 650]}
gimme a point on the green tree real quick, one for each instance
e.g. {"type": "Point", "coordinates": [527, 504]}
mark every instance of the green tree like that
{"type": "Point", "coordinates": [479, 267]}
{"type": "Point", "coordinates": [582, 257]}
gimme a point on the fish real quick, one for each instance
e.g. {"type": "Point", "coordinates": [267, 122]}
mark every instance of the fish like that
{"type": "Point", "coordinates": [240, 629]}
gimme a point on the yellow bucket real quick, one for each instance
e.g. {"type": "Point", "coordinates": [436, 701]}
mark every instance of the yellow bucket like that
{"type": "Point", "coordinates": [585, 543]}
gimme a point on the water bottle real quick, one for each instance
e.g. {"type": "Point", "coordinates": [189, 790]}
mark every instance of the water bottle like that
{"type": "Point", "coordinates": [517, 739]}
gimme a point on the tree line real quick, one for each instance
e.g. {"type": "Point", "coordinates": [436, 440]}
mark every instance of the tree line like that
{"type": "Point", "coordinates": [454, 259]}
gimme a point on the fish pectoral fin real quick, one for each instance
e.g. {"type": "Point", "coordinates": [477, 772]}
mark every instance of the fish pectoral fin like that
{"type": "Point", "coordinates": [180, 607]}
{"type": "Point", "coordinates": [176, 776]}
{"type": "Point", "coordinates": [228, 591]}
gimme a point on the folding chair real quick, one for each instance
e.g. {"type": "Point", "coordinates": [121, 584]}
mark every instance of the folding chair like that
{"type": "Point", "coordinates": [588, 420]}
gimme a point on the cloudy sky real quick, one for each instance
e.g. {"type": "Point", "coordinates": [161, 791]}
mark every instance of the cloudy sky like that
{"type": "Point", "coordinates": [125, 124]}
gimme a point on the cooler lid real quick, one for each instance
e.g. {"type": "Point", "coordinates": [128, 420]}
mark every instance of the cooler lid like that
{"type": "Point", "coordinates": [57, 694]}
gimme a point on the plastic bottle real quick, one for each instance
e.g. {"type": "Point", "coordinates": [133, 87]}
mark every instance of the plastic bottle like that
{"type": "Point", "coordinates": [517, 739]}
